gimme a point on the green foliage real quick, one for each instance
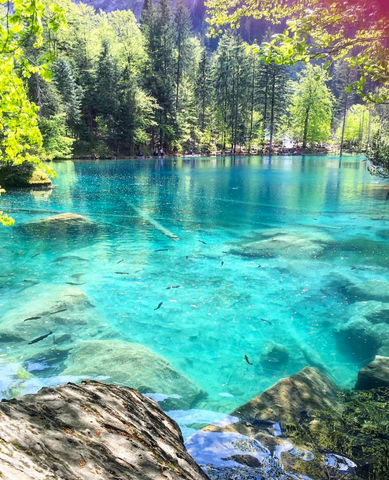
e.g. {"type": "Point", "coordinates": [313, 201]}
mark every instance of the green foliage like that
{"type": "Point", "coordinates": [359, 431]}
{"type": "Point", "coordinates": [55, 142]}
{"type": "Point", "coordinates": [325, 29]}
{"type": "Point", "coordinates": [20, 137]}
{"type": "Point", "coordinates": [360, 125]}
{"type": "Point", "coordinates": [311, 107]}
{"type": "Point", "coordinates": [378, 155]}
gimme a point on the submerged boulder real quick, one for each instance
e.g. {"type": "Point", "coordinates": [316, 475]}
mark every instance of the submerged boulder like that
{"type": "Point", "coordinates": [288, 243]}
{"type": "Point", "coordinates": [377, 289]}
{"type": "Point", "coordinates": [374, 375]}
{"type": "Point", "coordinates": [358, 338]}
{"type": "Point", "coordinates": [64, 314]}
{"type": "Point", "coordinates": [374, 312]}
{"type": "Point", "coordinates": [136, 366]}
{"type": "Point", "coordinates": [275, 356]}
{"type": "Point", "coordinates": [23, 176]}
{"type": "Point", "coordinates": [90, 431]}
{"type": "Point", "coordinates": [61, 225]}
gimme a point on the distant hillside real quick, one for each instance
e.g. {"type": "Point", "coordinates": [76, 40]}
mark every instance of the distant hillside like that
{"type": "Point", "coordinates": [196, 7]}
{"type": "Point", "coordinates": [251, 30]}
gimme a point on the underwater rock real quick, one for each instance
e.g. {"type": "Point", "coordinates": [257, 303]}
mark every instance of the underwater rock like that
{"type": "Point", "coordinates": [90, 431]}
{"type": "Point", "coordinates": [274, 356]}
{"type": "Point", "coordinates": [15, 380]}
{"type": "Point", "coordinates": [377, 289]}
{"type": "Point", "coordinates": [58, 226]}
{"type": "Point", "coordinates": [136, 366]}
{"type": "Point", "coordinates": [222, 449]}
{"type": "Point", "coordinates": [374, 312]}
{"type": "Point", "coordinates": [24, 175]}
{"type": "Point", "coordinates": [288, 243]}
{"type": "Point", "coordinates": [358, 338]}
{"type": "Point", "coordinates": [374, 375]}
{"type": "Point", "coordinates": [66, 312]}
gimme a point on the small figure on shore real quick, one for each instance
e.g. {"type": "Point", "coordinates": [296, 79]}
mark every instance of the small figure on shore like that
{"type": "Point", "coordinates": [155, 154]}
{"type": "Point", "coordinates": [162, 153]}
{"type": "Point", "coordinates": [140, 154]}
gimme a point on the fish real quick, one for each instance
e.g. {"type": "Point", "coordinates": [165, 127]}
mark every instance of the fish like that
{"type": "Point", "coordinates": [202, 241]}
{"type": "Point", "coordinates": [247, 360]}
{"type": "Point", "coordinates": [35, 255]}
{"type": "Point", "coordinates": [122, 273]}
{"type": "Point", "coordinates": [187, 257]}
{"type": "Point", "coordinates": [259, 266]}
{"type": "Point", "coordinates": [159, 306]}
{"type": "Point", "coordinates": [31, 318]}
{"type": "Point", "coordinates": [222, 263]}
{"type": "Point", "coordinates": [74, 283]}
{"type": "Point", "coordinates": [173, 286]}
{"type": "Point", "coordinates": [58, 311]}
{"type": "Point", "coordinates": [137, 271]}
{"type": "Point", "coordinates": [266, 321]}
{"type": "Point", "coordinates": [120, 261]}
{"type": "Point", "coordinates": [39, 339]}
{"type": "Point", "coordinates": [162, 250]}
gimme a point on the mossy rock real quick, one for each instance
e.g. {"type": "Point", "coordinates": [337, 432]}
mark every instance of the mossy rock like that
{"type": "Point", "coordinates": [25, 175]}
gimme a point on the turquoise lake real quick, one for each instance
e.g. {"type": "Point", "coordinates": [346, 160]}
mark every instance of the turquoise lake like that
{"type": "Point", "coordinates": [260, 253]}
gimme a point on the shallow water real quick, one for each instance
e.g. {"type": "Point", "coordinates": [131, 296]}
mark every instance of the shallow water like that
{"type": "Point", "coordinates": [203, 215]}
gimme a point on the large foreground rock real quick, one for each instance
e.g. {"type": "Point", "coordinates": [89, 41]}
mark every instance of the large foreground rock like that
{"type": "Point", "coordinates": [91, 431]}
{"type": "Point", "coordinates": [374, 375]}
{"type": "Point", "coordinates": [135, 366]}
{"type": "Point", "coordinates": [25, 175]}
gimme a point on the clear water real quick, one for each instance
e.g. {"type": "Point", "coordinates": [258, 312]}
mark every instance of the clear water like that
{"type": "Point", "coordinates": [220, 312]}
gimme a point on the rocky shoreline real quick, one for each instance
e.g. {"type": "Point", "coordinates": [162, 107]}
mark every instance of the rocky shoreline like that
{"type": "Point", "coordinates": [99, 430]}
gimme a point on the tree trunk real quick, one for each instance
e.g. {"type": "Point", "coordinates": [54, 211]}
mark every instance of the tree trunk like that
{"type": "Point", "coordinates": [178, 69]}
{"type": "Point", "coordinates": [306, 127]}
{"type": "Point", "coordinates": [252, 105]}
{"type": "Point", "coordinates": [272, 110]}
{"type": "Point", "coordinates": [265, 105]}
{"type": "Point", "coordinates": [344, 125]}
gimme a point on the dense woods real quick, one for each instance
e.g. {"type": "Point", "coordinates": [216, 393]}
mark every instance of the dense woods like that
{"type": "Point", "coordinates": [122, 87]}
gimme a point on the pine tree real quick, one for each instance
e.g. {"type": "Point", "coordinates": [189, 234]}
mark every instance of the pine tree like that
{"type": "Point", "coordinates": [160, 74]}
{"type": "Point", "coordinates": [203, 88]}
{"type": "Point", "coordinates": [66, 85]}
{"type": "Point", "coordinates": [106, 93]}
{"type": "Point", "coordinates": [182, 26]}
{"type": "Point", "coordinates": [231, 86]}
